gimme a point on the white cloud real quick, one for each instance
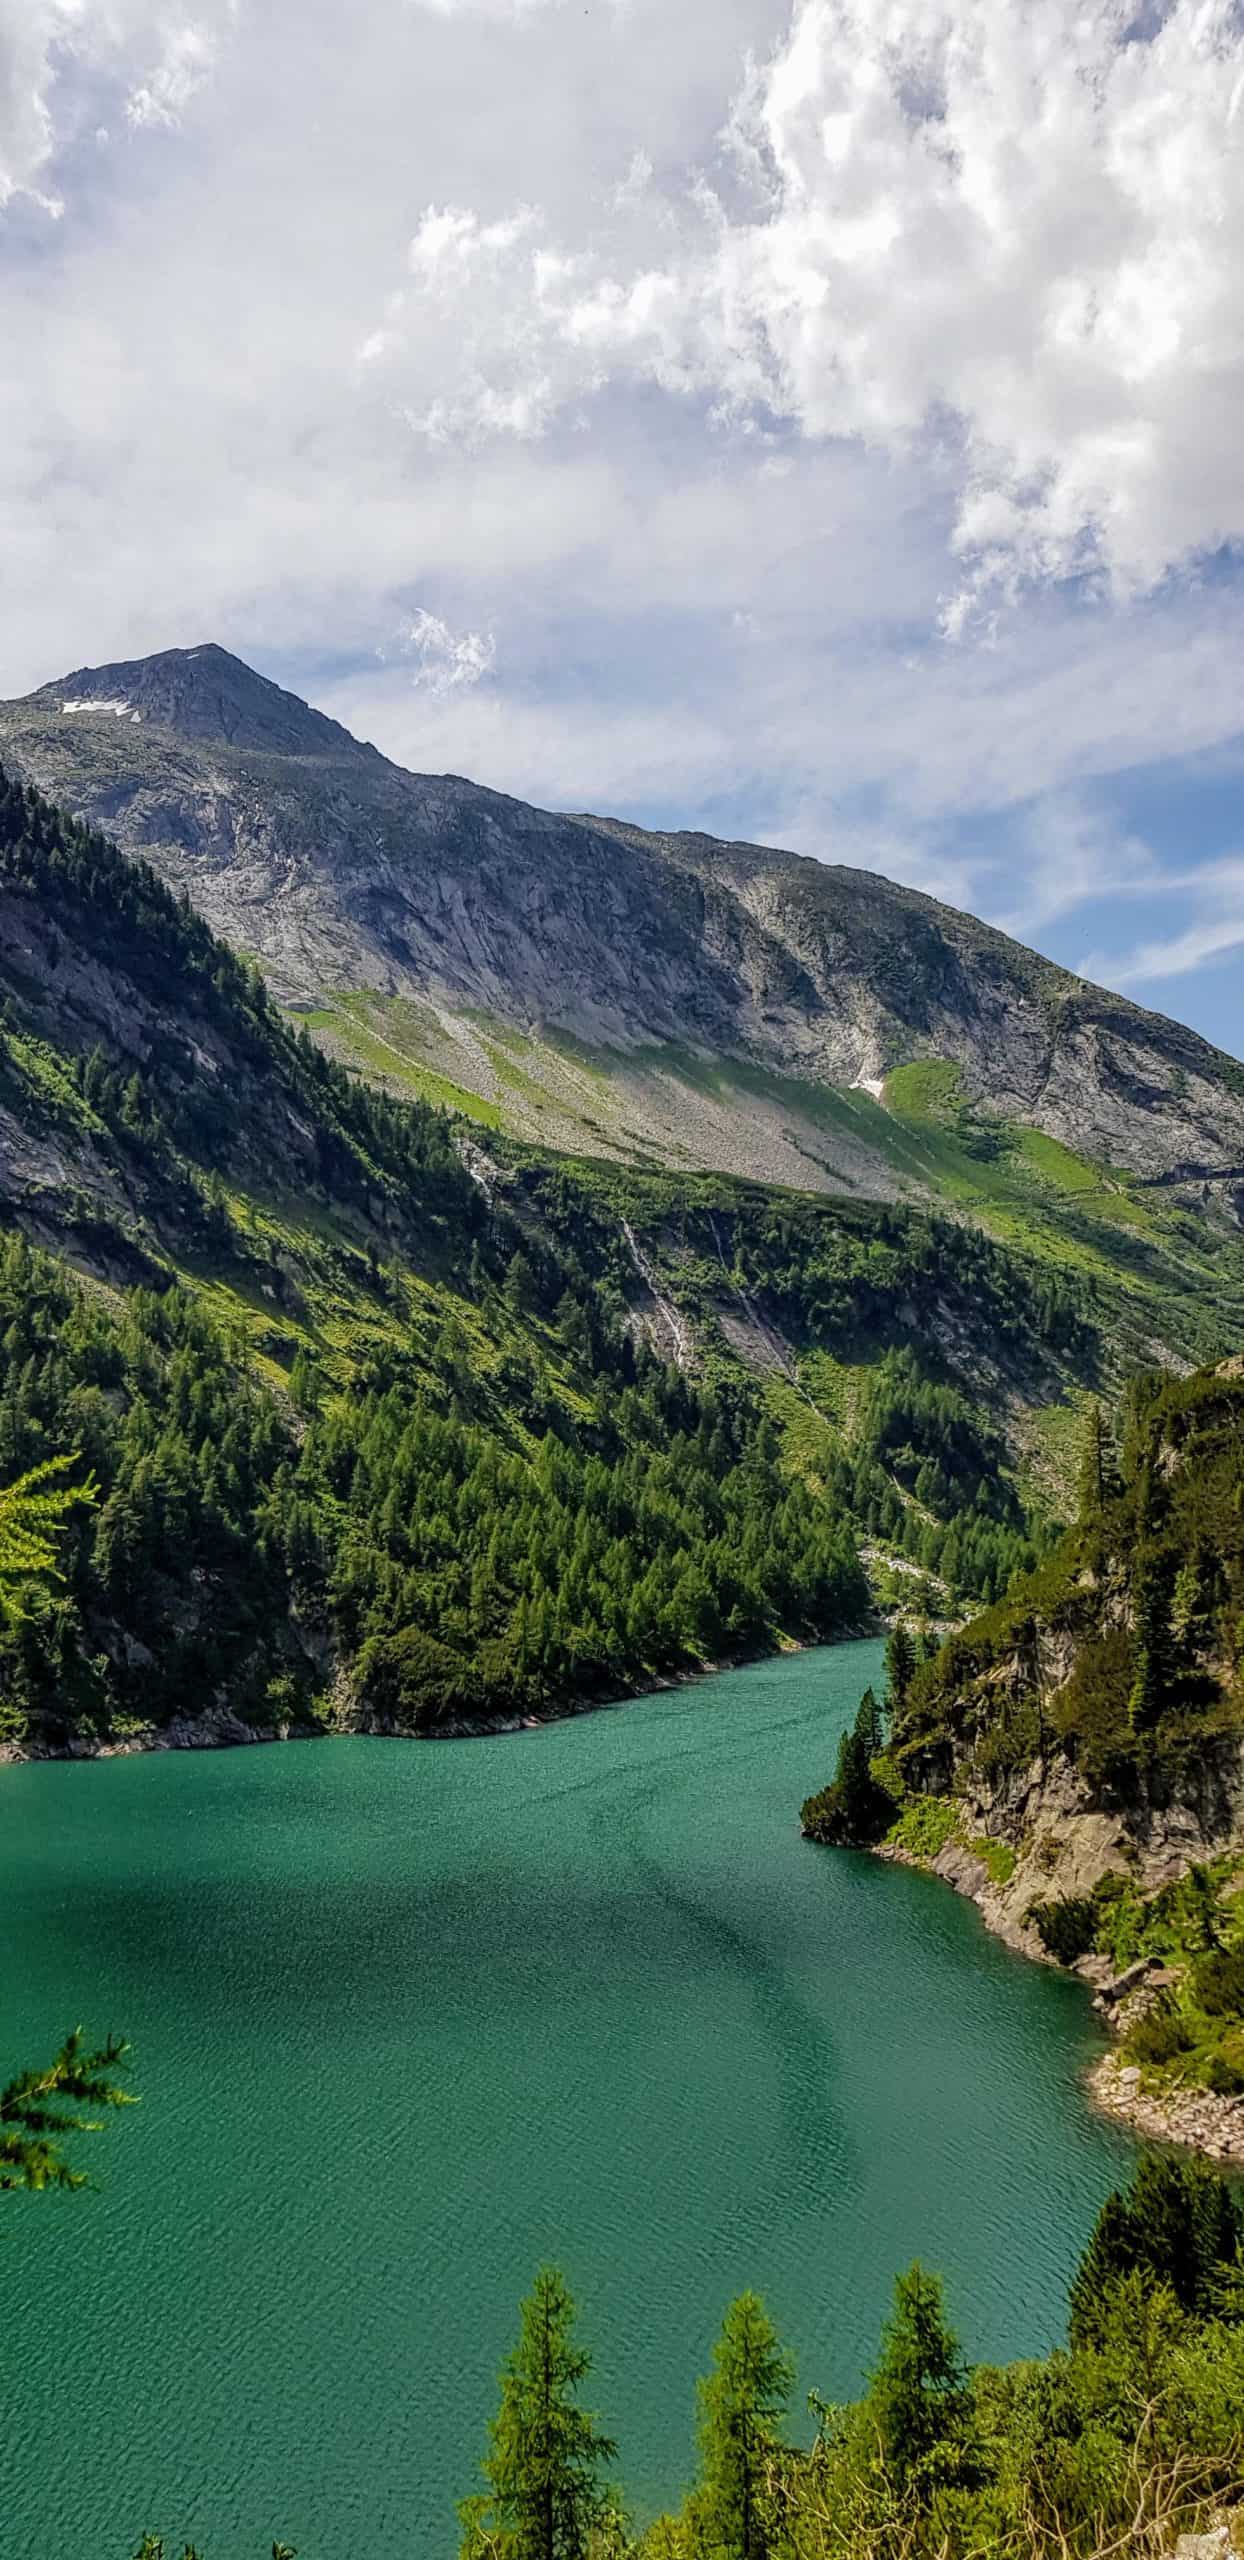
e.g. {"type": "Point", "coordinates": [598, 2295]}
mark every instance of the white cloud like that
{"type": "Point", "coordinates": [1215, 891]}
{"type": "Point", "coordinates": [1011, 228]}
{"type": "Point", "coordinates": [444, 663]}
{"type": "Point", "coordinates": [485, 8]}
{"type": "Point", "coordinates": [29, 42]}
{"type": "Point", "coordinates": [53, 53]}
{"type": "Point", "coordinates": [674, 437]}
{"type": "Point", "coordinates": [184, 63]}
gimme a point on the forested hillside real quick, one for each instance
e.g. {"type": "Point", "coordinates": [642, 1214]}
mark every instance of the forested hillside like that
{"type": "Point", "coordinates": [397, 1429]}
{"type": "Point", "coordinates": [401, 1556]}
{"type": "Point", "coordinates": [1140, 1609]}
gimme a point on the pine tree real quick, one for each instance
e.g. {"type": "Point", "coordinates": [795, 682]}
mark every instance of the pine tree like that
{"type": "Point", "coordinates": [1177, 2225]}
{"type": "Point", "coordinates": [520, 1285]}
{"type": "Point", "coordinates": [742, 2403]}
{"type": "Point", "coordinates": [544, 2499]}
{"type": "Point", "coordinates": [918, 2404]}
{"type": "Point", "coordinates": [1098, 1478]}
{"type": "Point", "coordinates": [869, 1722]}
{"type": "Point", "coordinates": [900, 1663]}
{"type": "Point", "coordinates": [32, 1512]}
{"type": "Point", "coordinates": [1204, 1915]}
{"type": "Point", "coordinates": [154, 2547]}
{"type": "Point", "coordinates": [40, 2107]}
{"type": "Point", "coordinates": [1154, 1644]}
{"type": "Point", "coordinates": [856, 1808]}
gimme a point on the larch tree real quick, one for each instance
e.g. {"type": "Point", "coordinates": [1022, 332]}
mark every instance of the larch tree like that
{"type": "Point", "coordinates": [40, 2108]}
{"type": "Point", "coordinates": [1098, 1475]}
{"type": "Point", "coordinates": [900, 1663]}
{"type": "Point", "coordinates": [33, 1511]}
{"type": "Point", "coordinates": [1177, 2226]}
{"type": "Point", "coordinates": [742, 2404]}
{"type": "Point", "coordinates": [918, 2404]}
{"type": "Point", "coordinates": [545, 2499]}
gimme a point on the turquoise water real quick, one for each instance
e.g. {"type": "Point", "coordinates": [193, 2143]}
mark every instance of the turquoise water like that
{"type": "Point", "coordinates": [409, 2020]}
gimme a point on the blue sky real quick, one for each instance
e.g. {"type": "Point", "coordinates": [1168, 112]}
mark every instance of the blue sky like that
{"type": "Point", "coordinates": [816, 422]}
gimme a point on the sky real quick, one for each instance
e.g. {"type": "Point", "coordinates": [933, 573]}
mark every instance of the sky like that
{"type": "Point", "coordinates": [816, 423]}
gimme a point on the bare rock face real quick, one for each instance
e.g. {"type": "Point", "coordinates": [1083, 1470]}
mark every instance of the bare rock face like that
{"type": "Point", "coordinates": [339, 870]}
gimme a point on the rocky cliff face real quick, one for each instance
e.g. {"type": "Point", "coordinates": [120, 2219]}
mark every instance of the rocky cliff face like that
{"type": "Point", "coordinates": [1063, 1836]}
{"type": "Point", "coordinates": [341, 871]}
{"type": "Point", "coordinates": [1042, 1834]}
{"type": "Point", "coordinates": [1074, 1758]}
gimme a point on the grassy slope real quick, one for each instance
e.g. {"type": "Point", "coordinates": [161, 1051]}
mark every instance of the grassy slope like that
{"type": "Point", "coordinates": [1172, 1284]}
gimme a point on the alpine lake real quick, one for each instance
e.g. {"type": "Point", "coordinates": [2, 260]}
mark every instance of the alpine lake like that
{"type": "Point", "coordinates": [410, 2020]}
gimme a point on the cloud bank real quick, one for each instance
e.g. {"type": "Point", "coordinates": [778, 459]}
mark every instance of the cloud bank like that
{"type": "Point", "coordinates": [816, 422]}
{"type": "Point", "coordinates": [1010, 233]}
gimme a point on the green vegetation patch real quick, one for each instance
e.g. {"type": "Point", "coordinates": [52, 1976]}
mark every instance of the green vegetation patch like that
{"type": "Point", "coordinates": [996, 1856]}
{"type": "Point", "coordinates": [924, 1827]}
{"type": "Point", "coordinates": [384, 1055]}
{"type": "Point", "coordinates": [1144, 1596]}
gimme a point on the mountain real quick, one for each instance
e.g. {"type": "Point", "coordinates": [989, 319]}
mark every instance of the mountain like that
{"type": "Point", "coordinates": [663, 998]}
{"type": "Point", "coordinates": [399, 1427]}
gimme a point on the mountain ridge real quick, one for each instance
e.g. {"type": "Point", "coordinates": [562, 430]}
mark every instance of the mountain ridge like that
{"type": "Point", "coordinates": [438, 926]}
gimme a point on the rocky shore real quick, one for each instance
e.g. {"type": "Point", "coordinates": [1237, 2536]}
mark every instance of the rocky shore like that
{"type": "Point", "coordinates": [1040, 1837]}
{"type": "Point", "coordinates": [1205, 2123]}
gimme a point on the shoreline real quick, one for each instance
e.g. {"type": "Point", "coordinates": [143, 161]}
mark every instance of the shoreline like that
{"type": "Point", "coordinates": [1195, 2119]}
{"type": "Point", "coordinates": [220, 1729]}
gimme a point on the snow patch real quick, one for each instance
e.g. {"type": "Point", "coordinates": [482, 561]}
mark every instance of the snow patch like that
{"type": "Point", "coordinates": [869, 1084]}
{"type": "Point", "coordinates": [86, 702]}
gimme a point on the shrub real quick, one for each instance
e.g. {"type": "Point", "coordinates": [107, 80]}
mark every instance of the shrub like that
{"type": "Point", "coordinates": [1123, 1919]}
{"type": "Point", "coordinates": [1224, 2074]}
{"type": "Point", "coordinates": [412, 1680]}
{"type": "Point", "coordinates": [997, 1858]}
{"type": "Point", "coordinates": [1218, 1981]}
{"type": "Point", "coordinates": [1091, 1711]}
{"type": "Point", "coordinates": [1160, 2035]}
{"type": "Point", "coordinates": [1066, 1927]}
{"type": "Point", "coordinates": [924, 1826]}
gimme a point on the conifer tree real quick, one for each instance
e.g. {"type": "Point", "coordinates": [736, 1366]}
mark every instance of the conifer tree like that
{"type": "Point", "coordinates": [520, 1285]}
{"type": "Point", "coordinates": [32, 1511]}
{"type": "Point", "coordinates": [39, 2108]}
{"type": "Point", "coordinates": [1177, 2225]}
{"type": "Point", "coordinates": [1154, 1645]}
{"type": "Point", "coordinates": [1098, 1479]}
{"type": "Point", "coordinates": [742, 2403]}
{"type": "Point", "coordinates": [856, 1808]}
{"type": "Point", "coordinates": [153, 2547]}
{"type": "Point", "coordinates": [918, 2404]}
{"type": "Point", "coordinates": [900, 1663]}
{"type": "Point", "coordinates": [869, 1722]}
{"type": "Point", "coordinates": [544, 2499]}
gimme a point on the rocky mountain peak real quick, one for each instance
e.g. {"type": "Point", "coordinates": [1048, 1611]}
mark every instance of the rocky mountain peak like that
{"type": "Point", "coordinates": [671, 995]}
{"type": "Point", "coordinates": [203, 694]}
